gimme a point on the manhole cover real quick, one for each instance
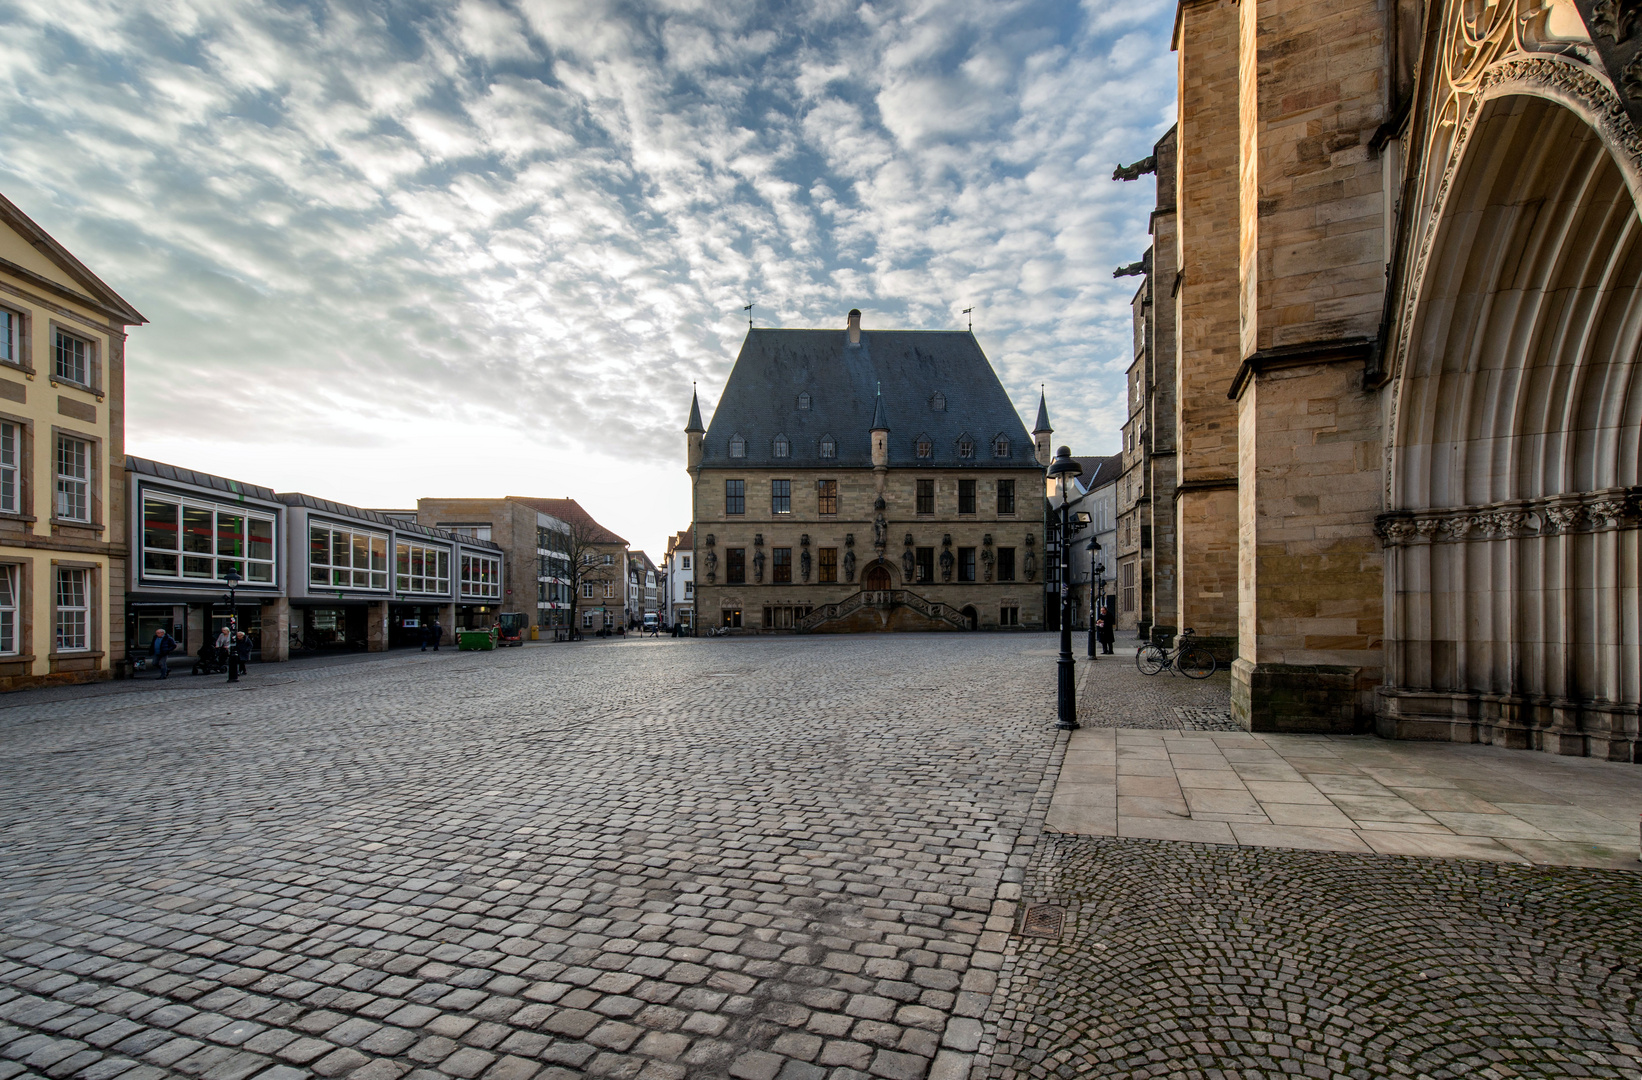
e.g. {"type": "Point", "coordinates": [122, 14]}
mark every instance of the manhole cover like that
{"type": "Point", "coordinates": [1042, 920]}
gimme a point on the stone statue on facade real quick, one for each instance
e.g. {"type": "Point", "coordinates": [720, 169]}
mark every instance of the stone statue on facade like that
{"type": "Point", "coordinates": [849, 564]}
{"type": "Point", "coordinates": [906, 565]}
{"type": "Point", "coordinates": [880, 527]}
{"type": "Point", "coordinates": [804, 558]}
{"type": "Point", "coordinates": [946, 557]}
{"type": "Point", "coordinates": [986, 562]}
{"type": "Point", "coordinates": [1030, 564]}
{"type": "Point", "coordinates": [758, 567]}
{"type": "Point", "coordinates": [712, 561]}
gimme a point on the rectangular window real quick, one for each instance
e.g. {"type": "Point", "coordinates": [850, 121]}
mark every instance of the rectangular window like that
{"type": "Point", "coordinates": [966, 564]}
{"type": "Point", "coordinates": [780, 496]}
{"type": "Point", "coordinates": [10, 492]}
{"type": "Point", "coordinates": [587, 590]}
{"type": "Point", "coordinates": [1129, 586]}
{"type": "Point", "coordinates": [732, 617]}
{"type": "Point", "coordinates": [1006, 564]}
{"type": "Point", "coordinates": [481, 577]}
{"type": "Point", "coordinates": [73, 610]}
{"type": "Point", "coordinates": [735, 566]}
{"type": "Point", "coordinates": [421, 569]}
{"type": "Point", "coordinates": [966, 496]}
{"type": "Point", "coordinates": [609, 590]}
{"type": "Point", "coordinates": [926, 496]}
{"type": "Point", "coordinates": [735, 496]}
{"type": "Point", "coordinates": [826, 496]}
{"type": "Point", "coordinates": [689, 588]}
{"type": "Point", "coordinates": [8, 609]}
{"type": "Point", "coordinates": [587, 620]}
{"type": "Point", "coordinates": [1006, 496]}
{"type": "Point", "coordinates": [73, 479]}
{"type": "Point", "coordinates": [828, 565]}
{"type": "Point", "coordinates": [926, 564]}
{"type": "Point", "coordinates": [1009, 616]}
{"type": "Point", "coordinates": [686, 562]}
{"type": "Point", "coordinates": [70, 358]}
{"type": "Point", "coordinates": [10, 323]}
{"type": "Point", "coordinates": [338, 558]}
{"type": "Point", "coordinates": [782, 566]}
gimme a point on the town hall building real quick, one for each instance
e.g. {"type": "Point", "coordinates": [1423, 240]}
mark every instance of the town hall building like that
{"type": "Point", "coordinates": [858, 480]}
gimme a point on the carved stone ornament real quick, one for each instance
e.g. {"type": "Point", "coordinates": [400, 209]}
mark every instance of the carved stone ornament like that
{"type": "Point", "coordinates": [712, 563]}
{"type": "Point", "coordinates": [849, 564]}
{"type": "Point", "coordinates": [1593, 511]}
{"type": "Point", "coordinates": [758, 566]}
{"type": "Point", "coordinates": [849, 540]}
{"type": "Point", "coordinates": [804, 541]}
{"type": "Point", "coordinates": [804, 562]}
{"type": "Point", "coordinates": [758, 539]}
{"type": "Point", "coordinates": [710, 540]}
{"type": "Point", "coordinates": [908, 540]}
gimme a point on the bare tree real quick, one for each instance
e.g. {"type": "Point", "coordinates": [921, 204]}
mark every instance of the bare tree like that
{"type": "Point", "coordinates": [587, 565]}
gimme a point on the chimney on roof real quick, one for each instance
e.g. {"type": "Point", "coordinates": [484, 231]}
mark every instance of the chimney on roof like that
{"type": "Point", "coordinates": [855, 326]}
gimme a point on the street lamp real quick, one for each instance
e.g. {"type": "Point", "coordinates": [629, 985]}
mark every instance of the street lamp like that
{"type": "Point", "coordinates": [1061, 472]}
{"type": "Point", "coordinates": [232, 577]}
{"type": "Point", "coordinates": [1095, 597]}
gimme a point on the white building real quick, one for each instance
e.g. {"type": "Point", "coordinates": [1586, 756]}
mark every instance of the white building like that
{"type": "Point", "coordinates": [679, 580]}
{"type": "Point", "coordinates": [1096, 496]}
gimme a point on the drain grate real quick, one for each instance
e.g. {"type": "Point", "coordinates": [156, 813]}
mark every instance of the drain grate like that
{"type": "Point", "coordinates": [1042, 920]}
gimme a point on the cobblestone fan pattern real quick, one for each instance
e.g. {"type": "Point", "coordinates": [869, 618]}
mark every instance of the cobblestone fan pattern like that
{"type": "Point", "coordinates": [1200, 961]}
{"type": "Point", "coordinates": [663, 859]}
{"type": "Point", "coordinates": [1114, 694]}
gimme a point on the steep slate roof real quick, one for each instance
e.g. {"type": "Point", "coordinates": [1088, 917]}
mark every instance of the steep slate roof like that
{"type": "Point", "coordinates": [571, 513]}
{"type": "Point", "coordinates": [760, 400]}
{"type": "Point", "coordinates": [1099, 471]}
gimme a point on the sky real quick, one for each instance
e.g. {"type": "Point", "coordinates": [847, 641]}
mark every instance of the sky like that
{"type": "Point", "coordinates": [479, 248]}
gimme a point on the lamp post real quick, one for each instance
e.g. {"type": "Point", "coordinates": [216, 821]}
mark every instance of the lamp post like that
{"type": "Point", "coordinates": [232, 577]}
{"type": "Point", "coordinates": [1094, 594]}
{"type": "Point", "coordinates": [1060, 474]}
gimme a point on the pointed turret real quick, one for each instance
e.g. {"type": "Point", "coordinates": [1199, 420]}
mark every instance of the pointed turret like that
{"type": "Point", "coordinates": [693, 433]}
{"type": "Point", "coordinates": [1041, 431]}
{"type": "Point", "coordinates": [880, 434]}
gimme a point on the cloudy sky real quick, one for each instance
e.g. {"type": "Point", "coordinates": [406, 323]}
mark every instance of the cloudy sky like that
{"type": "Point", "coordinates": [391, 250]}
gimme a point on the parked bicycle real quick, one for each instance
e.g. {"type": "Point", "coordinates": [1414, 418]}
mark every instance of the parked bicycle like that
{"type": "Point", "coordinates": [1189, 658]}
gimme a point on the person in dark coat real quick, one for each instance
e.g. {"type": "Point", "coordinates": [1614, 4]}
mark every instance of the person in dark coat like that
{"type": "Point", "coordinates": [435, 633]}
{"type": "Point", "coordinates": [242, 652]}
{"type": "Point", "coordinates": [1105, 631]}
{"type": "Point", "coordinates": [164, 645]}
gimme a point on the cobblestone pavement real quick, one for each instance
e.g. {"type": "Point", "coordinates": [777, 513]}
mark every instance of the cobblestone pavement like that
{"type": "Point", "coordinates": [1114, 694]}
{"type": "Point", "coordinates": [757, 858]}
{"type": "Point", "coordinates": [1200, 960]}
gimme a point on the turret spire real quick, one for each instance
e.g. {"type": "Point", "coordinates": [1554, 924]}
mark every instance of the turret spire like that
{"type": "Point", "coordinates": [1043, 413]}
{"type": "Point", "coordinates": [695, 412]}
{"type": "Point", "coordinates": [879, 421]}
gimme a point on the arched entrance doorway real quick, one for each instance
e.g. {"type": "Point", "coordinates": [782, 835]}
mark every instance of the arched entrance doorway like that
{"type": "Point", "coordinates": [1512, 533]}
{"type": "Point", "coordinates": [876, 579]}
{"type": "Point", "coordinates": [971, 617]}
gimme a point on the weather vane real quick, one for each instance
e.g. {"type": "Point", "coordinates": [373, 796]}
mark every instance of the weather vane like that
{"type": "Point", "coordinates": [749, 310]}
{"type": "Point", "coordinates": [967, 311]}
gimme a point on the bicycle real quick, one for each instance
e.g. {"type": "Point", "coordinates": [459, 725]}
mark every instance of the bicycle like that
{"type": "Point", "coordinates": [1189, 659]}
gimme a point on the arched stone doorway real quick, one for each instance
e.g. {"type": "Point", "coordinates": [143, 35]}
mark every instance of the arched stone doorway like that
{"type": "Point", "coordinates": [971, 617]}
{"type": "Point", "coordinates": [876, 579]}
{"type": "Point", "coordinates": [1511, 538]}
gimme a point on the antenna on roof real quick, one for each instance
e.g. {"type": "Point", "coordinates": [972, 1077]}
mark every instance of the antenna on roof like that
{"type": "Point", "coordinates": [969, 311]}
{"type": "Point", "coordinates": [749, 310]}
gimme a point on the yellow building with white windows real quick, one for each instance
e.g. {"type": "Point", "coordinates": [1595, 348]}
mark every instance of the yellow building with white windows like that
{"type": "Point", "coordinates": [62, 446]}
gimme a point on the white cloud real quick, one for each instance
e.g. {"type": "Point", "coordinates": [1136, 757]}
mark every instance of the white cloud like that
{"type": "Point", "coordinates": [370, 239]}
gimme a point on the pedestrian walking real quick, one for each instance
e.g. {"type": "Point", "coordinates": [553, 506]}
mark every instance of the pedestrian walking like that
{"type": "Point", "coordinates": [242, 650]}
{"type": "Point", "coordinates": [225, 641]}
{"type": "Point", "coordinates": [163, 645]}
{"type": "Point", "coordinates": [1105, 632]}
{"type": "Point", "coordinates": [435, 632]}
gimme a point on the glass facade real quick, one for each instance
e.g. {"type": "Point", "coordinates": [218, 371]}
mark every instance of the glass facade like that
{"type": "Point", "coordinates": [421, 569]}
{"type": "Point", "coordinates": [184, 538]}
{"type": "Point", "coordinates": [481, 577]}
{"type": "Point", "coordinates": [341, 558]}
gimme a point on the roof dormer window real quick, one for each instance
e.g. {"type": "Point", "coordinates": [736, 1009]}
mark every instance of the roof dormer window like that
{"type": "Point", "coordinates": [1000, 446]}
{"type": "Point", "coordinates": [966, 446]}
{"type": "Point", "coordinates": [937, 402]}
{"type": "Point", "coordinates": [804, 401]}
{"type": "Point", "coordinates": [782, 447]}
{"type": "Point", "coordinates": [738, 446]}
{"type": "Point", "coordinates": [924, 446]}
{"type": "Point", "coordinates": [829, 447]}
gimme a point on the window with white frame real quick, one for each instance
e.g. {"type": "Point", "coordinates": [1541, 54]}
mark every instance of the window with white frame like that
{"type": "Point", "coordinates": [8, 609]}
{"type": "Point", "coordinates": [609, 590]}
{"type": "Point", "coordinates": [73, 479]}
{"type": "Point", "coordinates": [477, 530]}
{"type": "Point", "coordinates": [421, 569]}
{"type": "Point", "coordinates": [11, 498]}
{"type": "Point", "coordinates": [73, 610]}
{"type": "Point", "coordinates": [190, 538]}
{"type": "Point", "coordinates": [344, 558]}
{"type": "Point", "coordinates": [589, 590]}
{"type": "Point", "coordinates": [481, 577]}
{"type": "Point", "coordinates": [686, 562]}
{"type": "Point", "coordinates": [689, 588]}
{"type": "Point", "coordinates": [70, 358]}
{"type": "Point", "coordinates": [11, 325]}
{"type": "Point", "coordinates": [587, 620]}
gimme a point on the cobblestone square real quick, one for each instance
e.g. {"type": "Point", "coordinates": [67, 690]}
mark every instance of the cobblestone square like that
{"type": "Point", "coordinates": [765, 859]}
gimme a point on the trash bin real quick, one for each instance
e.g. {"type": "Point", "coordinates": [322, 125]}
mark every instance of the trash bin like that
{"type": "Point", "coordinates": [480, 640]}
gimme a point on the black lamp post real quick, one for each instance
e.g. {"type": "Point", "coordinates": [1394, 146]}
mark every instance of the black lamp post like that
{"type": "Point", "coordinates": [1061, 471]}
{"type": "Point", "coordinates": [1095, 599]}
{"type": "Point", "coordinates": [232, 577]}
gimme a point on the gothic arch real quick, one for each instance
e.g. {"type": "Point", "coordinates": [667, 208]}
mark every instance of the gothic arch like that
{"type": "Point", "coordinates": [1512, 569]}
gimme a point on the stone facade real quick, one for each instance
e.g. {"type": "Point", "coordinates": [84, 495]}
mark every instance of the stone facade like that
{"type": "Point", "coordinates": [1405, 453]}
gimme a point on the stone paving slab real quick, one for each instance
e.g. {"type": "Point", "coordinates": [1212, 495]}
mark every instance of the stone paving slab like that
{"type": "Point", "coordinates": [1350, 794]}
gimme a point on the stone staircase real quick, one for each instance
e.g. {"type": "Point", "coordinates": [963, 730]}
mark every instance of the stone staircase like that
{"type": "Point", "coordinates": [884, 609]}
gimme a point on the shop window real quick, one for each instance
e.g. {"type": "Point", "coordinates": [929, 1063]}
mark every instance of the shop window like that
{"type": "Point", "coordinates": [735, 566]}
{"type": "Point", "coordinates": [966, 564]}
{"type": "Point", "coordinates": [926, 497]}
{"type": "Point", "coordinates": [966, 496]}
{"type": "Point", "coordinates": [1006, 496]}
{"type": "Point", "coordinates": [70, 358]}
{"type": "Point", "coordinates": [421, 569]}
{"type": "Point", "coordinates": [73, 479]}
{"type": "Point", "coordinates": [10, 490]}
{"type": "Point", "coordinates": [827, 565]}
{"type": "Point", "coordinates": [925, 557]}
{"type": "Point", "coordinates": [8, 609]}
{"type": "Point", "coordinates": [338, 558]}
{"type": "Point", "coordinates": [481, 576]}
{"type": "Point", "coordinates": [781, 496]}
{"type": "Point", "coordinates": [781, 567]}
{"type": "Point", "coordinates": [826, 496]}
{"type": "Point", "coordinates": [73, 610]}
{"type": "Point", "coordinates": [1009, 616]}
{"type": "Point", "coordinates": [1006, 564]}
